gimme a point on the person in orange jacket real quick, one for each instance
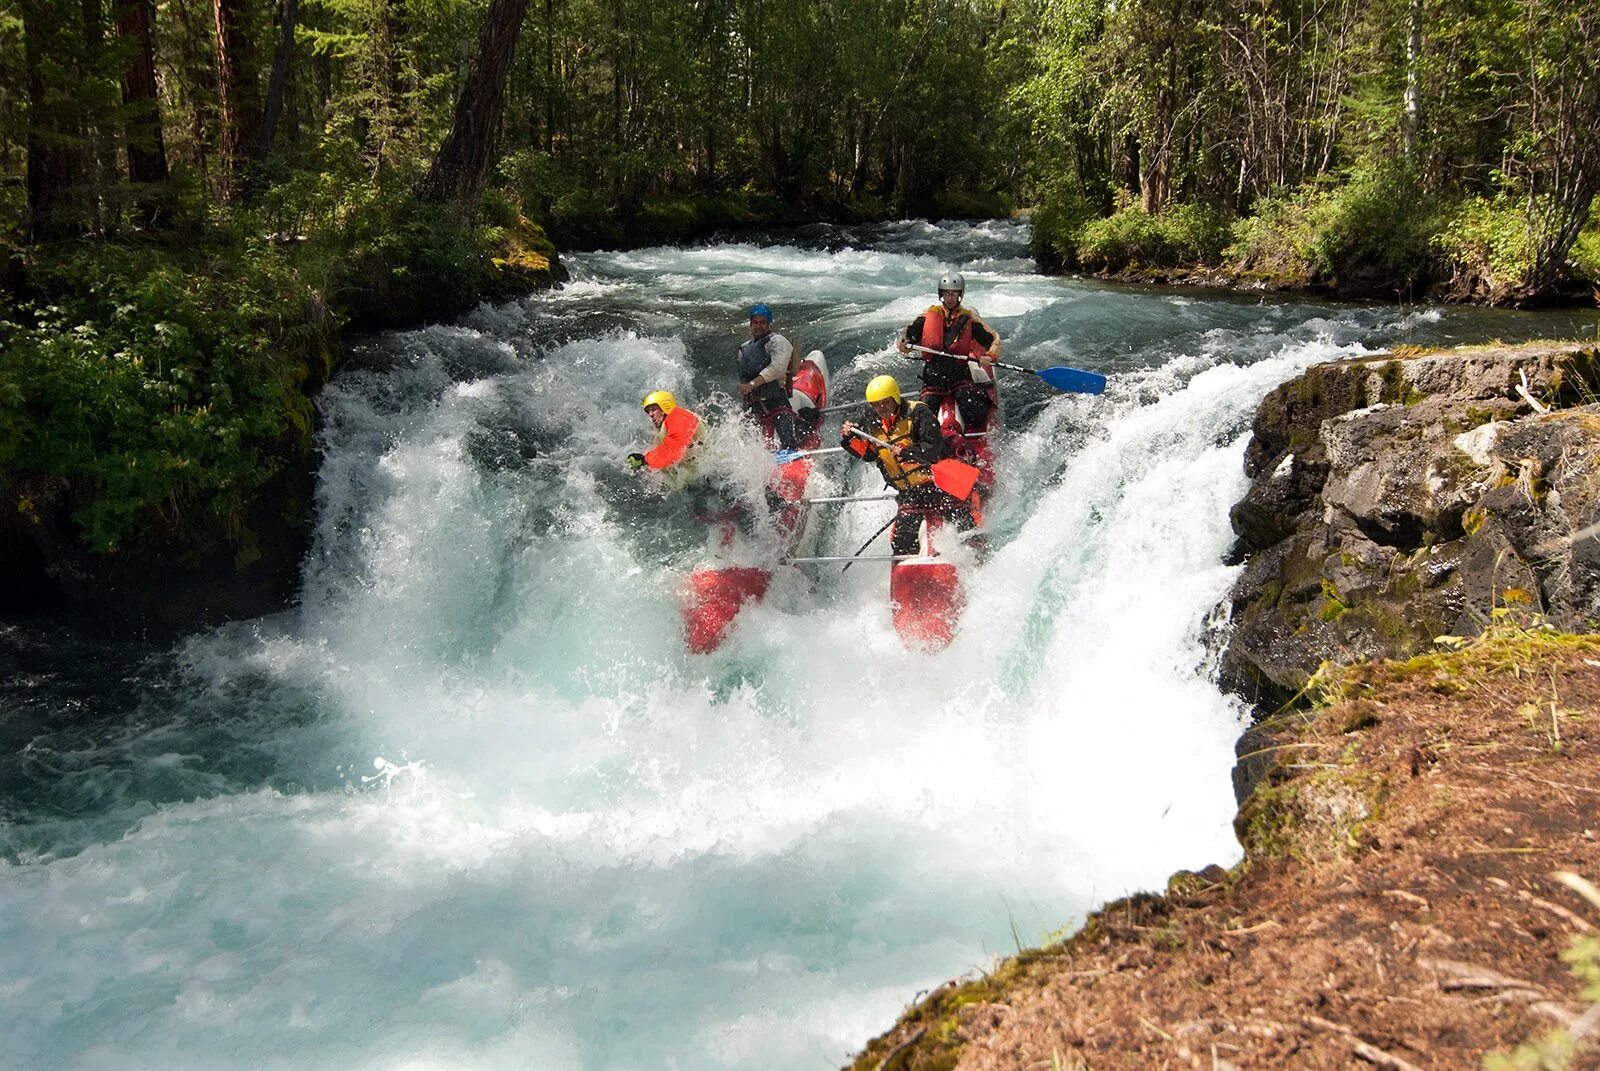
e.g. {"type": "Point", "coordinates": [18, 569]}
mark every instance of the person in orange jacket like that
{"type": "Point", "coordinates": [677, 433]}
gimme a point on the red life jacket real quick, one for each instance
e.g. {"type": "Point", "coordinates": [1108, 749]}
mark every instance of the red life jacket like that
{"type": "Point", "coordinates": [933, 332]}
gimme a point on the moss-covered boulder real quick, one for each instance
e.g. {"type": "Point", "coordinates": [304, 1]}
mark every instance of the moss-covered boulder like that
{"type": "Point", "coordinates": [1398, 498]}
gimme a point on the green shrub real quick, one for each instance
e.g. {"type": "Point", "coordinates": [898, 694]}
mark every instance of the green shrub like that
{"type": "Point", "coordinates": [1058, 221]}
{"type": "Point", "coordinates": [1369, 234]}
{"type": "Point", "coordinates": [1182, 236]}
{"type": "Point", "coordinates": [162, 395]}
{"type": "Point", "coordinates": [968, 204]}
{"type": "Point", "coordinates": [402, 254]}
{"type": "Point", "coordinates": [1275, 240]}
{"type": "Point", "coordinates": [1586, 253]}
{"type": "Point", "coordinates": [1126, 237]}
{"type": "Point", "coordinates": [1485, 248]}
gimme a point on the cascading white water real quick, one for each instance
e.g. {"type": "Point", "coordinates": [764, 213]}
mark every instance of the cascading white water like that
{"type": "Point", "coordinates": [473, 806]}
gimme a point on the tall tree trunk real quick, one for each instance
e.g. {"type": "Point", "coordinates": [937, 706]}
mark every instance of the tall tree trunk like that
{"type": "Point", "coordinates": [55, 156]}
{"type": "Point", "coordinates": [1410, 119]}
{"type": "Point", "coordinates": [235, 101]}
{"type": "Point", "coordinates": [459, 171]}
{"type": "Point", "coordinates": [147, 151]}
{"type": "Point", "coordinates": [549, 77]}
{"type": "Point", "coordinates": [282, 56]}
{"type": "Point", "coordinates": [104, 168]}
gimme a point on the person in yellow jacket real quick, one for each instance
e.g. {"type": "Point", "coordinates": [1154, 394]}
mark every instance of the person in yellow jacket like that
{"type": "Point", "coordinates": [677, 432]}
{"type": "Point", "coordinates": [914, 443]}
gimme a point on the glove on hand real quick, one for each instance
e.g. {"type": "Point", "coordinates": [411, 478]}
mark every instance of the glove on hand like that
{"type": "Point", "coordinates": [636, 461]}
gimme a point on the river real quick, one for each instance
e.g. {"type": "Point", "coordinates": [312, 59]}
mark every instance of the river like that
{"type": "Point", "coordinates": [471, 805]}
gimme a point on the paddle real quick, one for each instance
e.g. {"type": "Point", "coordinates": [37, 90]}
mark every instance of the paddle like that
{"type": "Point", "coordinates": [1062, 378]}
{"type": "Point", "coordinates": [783, 457]}
{"type": "Point", "coordinates": [950, 475]}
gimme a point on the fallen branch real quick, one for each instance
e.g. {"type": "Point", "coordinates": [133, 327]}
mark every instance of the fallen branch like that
{"type": "Point", "coordinates": [1374, 1055]}
{"type": "Point", "coordinates": [1364, 1049]}
{"type": "Point", "coordinates": [1470, 976]}
{"type": "Point", "coordinates": [1527, 395]}
{"type": "Point", "coordinates": [1409, 897]}
{"type": "Point", "coordinates": [1556, 909]}
{"type": "Point", "coordinates": [894, 1054]}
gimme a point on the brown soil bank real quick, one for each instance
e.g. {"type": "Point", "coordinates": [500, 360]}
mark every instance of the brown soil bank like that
{"type": "Point", "coordinates": [1397, 905]}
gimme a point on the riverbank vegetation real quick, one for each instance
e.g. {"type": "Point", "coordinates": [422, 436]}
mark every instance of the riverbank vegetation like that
{"type": "Point", "coordinates": [1398, 148]}
{"type": "Point", "coordinates": [195, 199]}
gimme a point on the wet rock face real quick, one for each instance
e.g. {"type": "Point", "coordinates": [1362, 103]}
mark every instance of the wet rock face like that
{"type": "Point", "coordinates": [1399, 498]}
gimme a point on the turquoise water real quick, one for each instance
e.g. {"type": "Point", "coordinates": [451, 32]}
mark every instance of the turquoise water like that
{"type": "Point", "coordinates": [471, 805]}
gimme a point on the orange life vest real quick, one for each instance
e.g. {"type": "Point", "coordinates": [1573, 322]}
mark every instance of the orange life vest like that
{"type": "Point", "coordinates": [935, 332]}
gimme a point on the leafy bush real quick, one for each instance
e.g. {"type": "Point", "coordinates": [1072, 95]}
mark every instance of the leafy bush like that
{"type": "Point", "coordinates": [1058, 223]}
{"type": "Point", "coordinates": [1374, 230]}
{"type": "Point", "coordinates": [1586, 252]}
{"type": "Point", "coordinates": [1485, 247]}
{"type": "Point", "coordinates": [1367, 235]}
{"type": "Point", "coordinates": [1184, 235]}
{"type": "Point", "coordinates": [160, 395]}
{"type": "Point", "coordinates": [1275, 240]}
{"type": "Point", "coordinates": [403, 254]}
{"type": "Point", "coordinates": [966, 204]}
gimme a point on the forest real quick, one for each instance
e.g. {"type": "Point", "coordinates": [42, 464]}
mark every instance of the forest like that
{"type": "Point", "coordinates": [196, 199]}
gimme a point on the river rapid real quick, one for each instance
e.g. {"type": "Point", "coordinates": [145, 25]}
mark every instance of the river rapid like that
{"type": "Point", "coordinates": [471, 805]}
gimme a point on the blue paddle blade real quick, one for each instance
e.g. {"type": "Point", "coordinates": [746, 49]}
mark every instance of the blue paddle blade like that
{"type": "Point", "coordinates": [783, 457]}
{"type": "Point", "coordinates": [1073, 380]}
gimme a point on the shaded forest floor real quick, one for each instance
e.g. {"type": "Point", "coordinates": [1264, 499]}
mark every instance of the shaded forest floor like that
{"type": "Point", "coordinates": [1397, 906]}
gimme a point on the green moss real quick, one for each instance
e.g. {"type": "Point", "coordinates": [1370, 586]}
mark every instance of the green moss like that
{"type": "Point", "coordinates": [1507, 646]}
{"type": "Point", "coordinates": [1312, 817]}
{"type": "Point", "coordinates": [1397, 388]}
{"type": "Point", "coordinates": [1333, 608]}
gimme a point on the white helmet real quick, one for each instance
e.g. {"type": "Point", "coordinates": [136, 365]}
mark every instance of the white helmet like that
{"type": "Point", "coordinates": [952, 280]}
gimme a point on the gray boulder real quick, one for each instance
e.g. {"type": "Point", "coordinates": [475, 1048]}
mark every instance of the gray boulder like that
{"type": "Point", "coordinates": [1399, 498]}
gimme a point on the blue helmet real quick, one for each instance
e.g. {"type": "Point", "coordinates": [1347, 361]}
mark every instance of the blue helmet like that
{"type": "Point", "coordinates": [760, 309]}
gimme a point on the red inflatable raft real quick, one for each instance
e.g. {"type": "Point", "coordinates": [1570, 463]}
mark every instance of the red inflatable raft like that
{"type": "Point", "coordinates": [926, 599]}
{"type": "Point", "coordinates": [713, 595]}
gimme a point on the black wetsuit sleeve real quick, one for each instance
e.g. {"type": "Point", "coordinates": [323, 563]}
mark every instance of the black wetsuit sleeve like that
{"type": "Point", "coordinates": [981, 334]}
{"type": "Point", "coordinates": [927, 444]}
{"type": "Point", "coordinates": [913, 331]}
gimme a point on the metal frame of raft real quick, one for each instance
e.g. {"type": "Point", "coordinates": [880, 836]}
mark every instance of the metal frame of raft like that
{"type": "Point", "coordinates": [862, 558]}
{"type": "Point", "coordinates": [834, 499]}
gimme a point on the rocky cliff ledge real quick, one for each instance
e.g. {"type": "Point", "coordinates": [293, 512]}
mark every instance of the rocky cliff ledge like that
{"type": "Point", "coordinates": [1399, 498]}
{"type": "Point", "coordinates": [1411, 898]}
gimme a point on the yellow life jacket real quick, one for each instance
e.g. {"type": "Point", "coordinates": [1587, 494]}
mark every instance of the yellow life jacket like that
{"type": "Point", "coordinates": [902, 473]}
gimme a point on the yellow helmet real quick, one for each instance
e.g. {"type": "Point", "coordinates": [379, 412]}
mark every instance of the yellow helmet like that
{"type": "Point", "coordinates": [663, 398]}
{"type": "Point", "coordinates": [883, 387]}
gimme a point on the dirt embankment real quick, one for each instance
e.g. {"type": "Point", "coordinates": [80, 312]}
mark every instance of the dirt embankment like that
{"type": "Point", "coordinates": [1397, 907]}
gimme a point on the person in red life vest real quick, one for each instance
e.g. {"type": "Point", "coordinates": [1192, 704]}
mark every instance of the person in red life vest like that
{"type": "Point", "coordinates": [765, 365]}
{"type": "Point", "coordinates": [952, 328]}
{"type": "Point", "coordinates": [677, 432]}
{"type": "Point", "coordinates": [912, 432]}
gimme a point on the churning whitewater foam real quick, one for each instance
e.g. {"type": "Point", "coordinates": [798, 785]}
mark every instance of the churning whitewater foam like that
{"type": "Point", "coordinates": [473, 806]}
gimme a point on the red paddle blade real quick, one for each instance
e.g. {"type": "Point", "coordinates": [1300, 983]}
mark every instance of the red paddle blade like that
{"type": "Point", "coordinates": [955, 477]}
